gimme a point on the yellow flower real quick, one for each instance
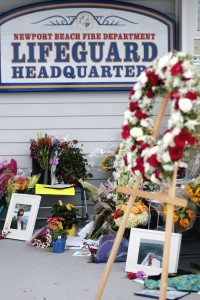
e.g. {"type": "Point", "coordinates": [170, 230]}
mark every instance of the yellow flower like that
{"type": "Point", "coordinates": [59, 224]}
{"type": "Point", "coordinates": [197, 192]}
{"type": "Point", "coordinates": [60, 202]}
{"type": "Point", "coordinates": [135, 210]}
{"type": "Point", "coordinates": [69, 206]}
{"type": "Point", "coordinates": [175, 218]}
{"type": "Point", "coordinates": [184, 223]}
{"type": "Point", "coordinates": [189, 190]}
{"type": "Point", "coordinates": [195, 199]}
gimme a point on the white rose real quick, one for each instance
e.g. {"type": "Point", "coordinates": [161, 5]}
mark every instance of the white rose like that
{"type": "Point", "coordinates": [185, 104]}
{"type": "Point", "coordinates": [138, 93]}
{"type": "Point", "coordinates": [167, 139]}
{"type": "Point", "coordinates": [127, 114]}
{"type": "Point", "coordinates": [136, 132]}
{"type": "Point", "coordinates": [165, 157]}
{"type": "Point", "coordinates": [163, 62]}
{"type": "Point", "coordinates": [154, 179]}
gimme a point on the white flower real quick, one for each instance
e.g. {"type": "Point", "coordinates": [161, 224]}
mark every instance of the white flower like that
{"type": "Point", "coordinates": [167, 139]}
{"type": "Point", "coordinates": [136, 132]}
{"type": "Point", "coordinates": [137, 95]}
{"type": "Point", "coordinates": [185, 104]}
{"type": "Point", "coordinates": [168, 167]}
{"type": "Point", "coordinates": [191, 124]}
{"type": "Point", "coordinates": [153, 150]}
{"type": "Point", "coordinates": [127, 114]}
{"type": "Point", "coordinates": [163, 62]}
{"type": "Point", "coordinates": [154, 179]}
{"type": "Point", "coordinates": [165, 157]}
{"type": "Point", "coordinates": [143, 78]}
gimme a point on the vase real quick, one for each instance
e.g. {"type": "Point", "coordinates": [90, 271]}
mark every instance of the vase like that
{"type": "Point", "coordinates": [45, 177]}
{"type": "Point", "coordinates": [59, 245]}
{"type": "Point", "coordinates": [72, 231]}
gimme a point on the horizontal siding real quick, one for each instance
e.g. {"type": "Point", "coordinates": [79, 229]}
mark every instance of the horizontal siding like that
{"type": "Point", "coordinates": [92, 118]}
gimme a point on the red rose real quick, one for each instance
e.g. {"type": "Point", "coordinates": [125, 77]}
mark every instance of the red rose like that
{"type": "Point", "coordinates": [125, 132]}
{"type": "Point", "coordinates": [177, 69]}
{"type": "Point", "coordinates": [175, 153]}
{"type": "Point", "coordinates": [131, 93]}
{"type": "Point", "coordinates": [184, 138]}
{"type": "Point", "coordinates": [191, 139]}
{"type": "Point", "coordinates": [116, 214]}
{"type": "Point", "coordinates": [131, 276]}
{"type": "Point", "coordinates": [152, 77]}
{"type": "Point", "coordinates": [133, 106]}
{"type": "Point", "coordinates": [191, 96]}
{"type": "Point", "coordinates": [133, 148]}
{"type": "Point", "coordinates": [154, 161]}
{"type": "Point", "coordinates": [150, 94]}
{"type": "Point", "coordinates": [176, 105]}
{"type": "Point", "coordinates": [140, 115]}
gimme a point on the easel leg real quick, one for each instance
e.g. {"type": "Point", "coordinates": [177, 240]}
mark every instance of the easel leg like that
{"type": "Point", "coordinates": [116, 243]}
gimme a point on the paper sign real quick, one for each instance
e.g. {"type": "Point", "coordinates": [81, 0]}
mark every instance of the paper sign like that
{"type": "Point", "coordinates": [42, 189]}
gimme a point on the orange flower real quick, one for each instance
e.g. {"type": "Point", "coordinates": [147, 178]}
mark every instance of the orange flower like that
{"type": "Point", "coordinates": [195, 199]}
{"type": "Point", "coordinates": [189, 190]}
{"type": "Point", "coordinates": [175, 218]}
{"type": "Point", "coordinates": [197, 192]}
{"type": "Point", "coordinates": [135, 210]}
{"type": "Point", "coordinates": [184, 223]}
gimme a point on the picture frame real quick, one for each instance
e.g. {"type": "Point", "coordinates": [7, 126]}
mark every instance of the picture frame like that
{"type": "Point", "coordinates": [21, 216]}
{"type": "Point", "coordinates": [145, 251]}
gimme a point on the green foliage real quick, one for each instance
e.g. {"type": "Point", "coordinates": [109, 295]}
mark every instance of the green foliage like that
{"type": "Point", "coordinates": [71, 164]}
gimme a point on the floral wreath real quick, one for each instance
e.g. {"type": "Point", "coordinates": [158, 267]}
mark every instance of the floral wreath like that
{"type": "Point", "coordinates": [140, 153]}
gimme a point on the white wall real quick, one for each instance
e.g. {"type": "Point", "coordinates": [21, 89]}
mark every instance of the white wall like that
{"type": "Point", "coordinates": [93, 118]}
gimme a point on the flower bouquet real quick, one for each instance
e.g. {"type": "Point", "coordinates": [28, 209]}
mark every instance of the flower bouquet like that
{"type": "Point", "coordinates": [138, 216]}
{"type": "Point", "coordinates": [21, 184]}
{"type": "Point", "coordinates": [183, 217]}
{"type": "Point", "coordinates": [193, 190]}
{"type": "Point", "coordinates": [67, 213]}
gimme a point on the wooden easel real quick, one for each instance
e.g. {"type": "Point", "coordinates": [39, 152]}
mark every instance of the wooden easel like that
{"type": "Point", "coordinates": [168, 198]}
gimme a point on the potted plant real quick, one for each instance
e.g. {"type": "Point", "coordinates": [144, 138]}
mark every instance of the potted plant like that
{"type": "Point", "coordinates": [71, 164]}
{"type": "Point", "coordinates": [68, 215]}
{"type": "Point", "coordinates": [58, 233]}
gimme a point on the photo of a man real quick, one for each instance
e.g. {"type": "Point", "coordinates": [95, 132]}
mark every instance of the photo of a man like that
{"type": "Point", "coordinates": [17, 223]}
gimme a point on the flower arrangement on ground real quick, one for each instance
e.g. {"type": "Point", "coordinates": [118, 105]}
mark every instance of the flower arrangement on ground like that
{"type": "Point", "coordinates": [138, 215]}
{"type": "Point", "coordinates": [20, 183]}
{"type": "Point", "coordinates": [72, 164]}
{"type": "Point", "coordinates": [64, 158]}
{"type": "Point", "coordinates": [67, 213]}
{"type": "Point", "coordinates": [55, 226]}
{"type": "Point", "coordinates": [141, 154]}
{"type": "Point", "coordinates": [193, 190]}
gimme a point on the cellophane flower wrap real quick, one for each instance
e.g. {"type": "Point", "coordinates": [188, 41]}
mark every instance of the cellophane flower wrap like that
{"type": "Point", "coordinates": [183, 217]}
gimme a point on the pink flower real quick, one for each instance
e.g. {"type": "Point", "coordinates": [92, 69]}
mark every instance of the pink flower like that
{"type": "Point", "coordinates": [177, 69]}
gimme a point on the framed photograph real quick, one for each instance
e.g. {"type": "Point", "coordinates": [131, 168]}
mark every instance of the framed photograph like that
{"type": "Point", "coordinates": [145, 251]}
{"type": "Point", "coordinates": [21, 216]}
